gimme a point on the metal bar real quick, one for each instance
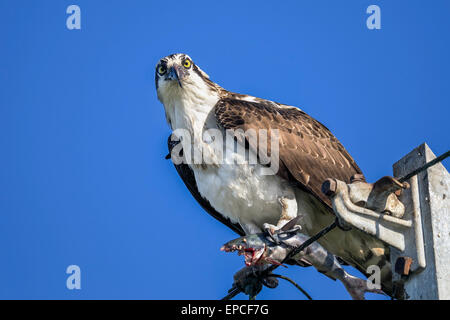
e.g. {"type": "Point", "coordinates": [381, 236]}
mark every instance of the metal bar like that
{"type": "Point", "coordinates": [425, 166]}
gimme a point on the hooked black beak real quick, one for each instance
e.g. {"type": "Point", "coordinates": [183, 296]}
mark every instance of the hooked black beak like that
{"type": "Point", "coordinates": [174, 74]}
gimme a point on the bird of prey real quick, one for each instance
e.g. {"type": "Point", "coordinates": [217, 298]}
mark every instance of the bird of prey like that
{"type": "Point", "coordinates": [239, 193]}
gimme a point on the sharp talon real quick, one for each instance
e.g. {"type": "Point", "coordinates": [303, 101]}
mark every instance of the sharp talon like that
{"type": "Point", "coordinates": [295, 229]}
{"type": "Point", "coordinates": [278, 236]}
{"type": "Point", "coordinates": [273, 239]}
{"type": "Point", "coordinates": [271, 233]}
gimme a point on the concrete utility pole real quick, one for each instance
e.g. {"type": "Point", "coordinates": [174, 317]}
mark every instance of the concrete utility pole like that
{"type": "Point", "coordinates": [432, 188]}
{"type": "Point", "coordinates": [411, 215]}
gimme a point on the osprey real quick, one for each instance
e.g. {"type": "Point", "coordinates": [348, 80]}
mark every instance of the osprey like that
{"type": "Point", "coordinates": [236, 191]}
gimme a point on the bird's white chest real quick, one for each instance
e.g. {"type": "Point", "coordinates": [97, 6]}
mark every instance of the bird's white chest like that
{"type": "Point", "coordinates": [240, 192]}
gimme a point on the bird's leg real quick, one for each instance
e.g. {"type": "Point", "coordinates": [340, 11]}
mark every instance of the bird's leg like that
{"type": "Point", "coordinates": [288, 212]}
{"type": "Point", "coordinates": [248, 279]}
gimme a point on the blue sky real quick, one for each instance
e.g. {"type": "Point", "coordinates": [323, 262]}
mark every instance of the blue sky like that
{"type": "Point", "coordinates": [83, 178]}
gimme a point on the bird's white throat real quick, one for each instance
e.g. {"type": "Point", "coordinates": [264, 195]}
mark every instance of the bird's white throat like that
{"type": "Point", "coordinates": [188, 106]}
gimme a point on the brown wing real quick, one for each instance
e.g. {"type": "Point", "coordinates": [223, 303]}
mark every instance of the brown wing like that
{"type": "Point", "coordinates": [309, 152]}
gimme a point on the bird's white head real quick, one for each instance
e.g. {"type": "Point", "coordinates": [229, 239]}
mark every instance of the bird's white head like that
{"type": "Point", "coordinates": [177, 75]}
{"type": "Point", "coordinates": [183, 88]}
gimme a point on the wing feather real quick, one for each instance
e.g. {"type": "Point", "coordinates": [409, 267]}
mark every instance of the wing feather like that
{"type": "Point", "coordinates": [309, 152]}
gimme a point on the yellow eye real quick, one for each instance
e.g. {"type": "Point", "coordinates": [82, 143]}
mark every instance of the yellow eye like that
{"type": "Point", "coordinates": [187, 63]}
{"type": "Point", "coordinates": [162, 69]}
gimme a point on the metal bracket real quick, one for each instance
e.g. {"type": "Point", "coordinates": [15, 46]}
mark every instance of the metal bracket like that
{"type": "Point", "coordinates": [376, 209]}
{"type": "Point", "coordinates": [413, 219]}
